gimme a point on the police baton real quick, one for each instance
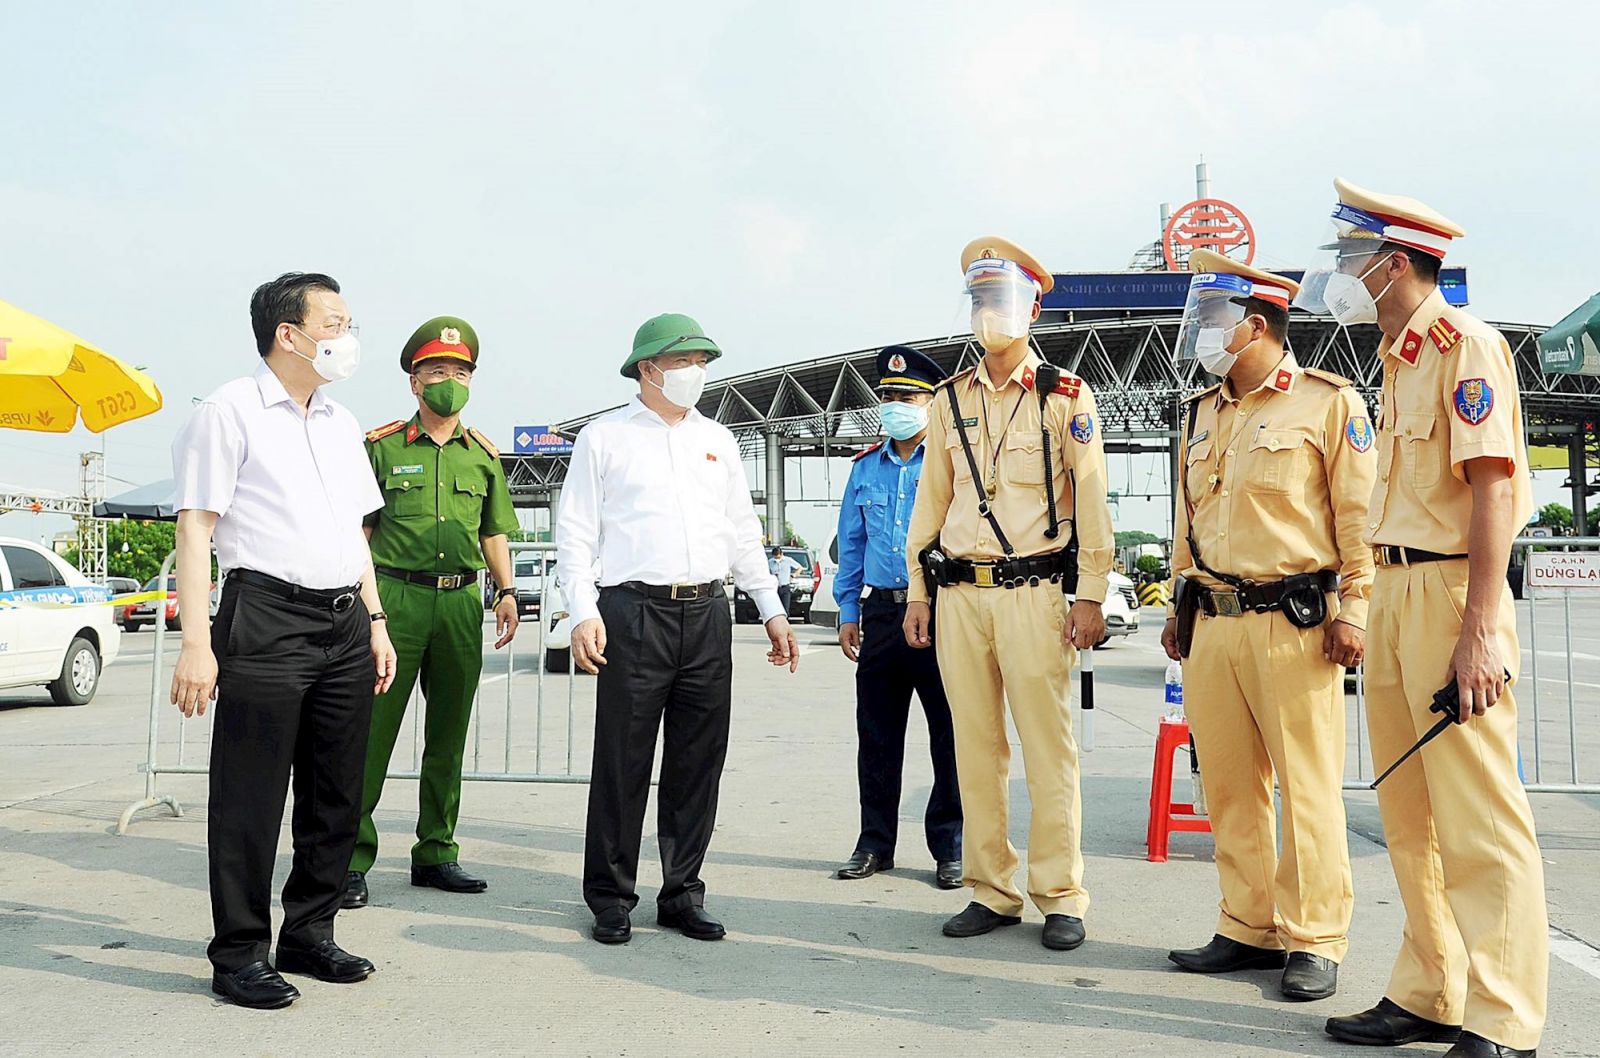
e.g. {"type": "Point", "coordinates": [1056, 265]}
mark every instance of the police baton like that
{"type": "Point", "coordinates": [1086, 663]}
{"type": "Point", "coordinates": [1447, 701]}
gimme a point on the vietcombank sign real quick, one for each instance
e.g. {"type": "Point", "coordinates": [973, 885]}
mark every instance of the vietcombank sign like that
{"type": "Point", "coordinates": [1572, 347]}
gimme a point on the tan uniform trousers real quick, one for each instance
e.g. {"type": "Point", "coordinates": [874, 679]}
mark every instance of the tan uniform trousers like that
{"type": "Point", "coordinates": [1476, 948]}
{"type": "Point", "coordinates": [1261, 699]}
{"type": "Point", "coordinates": [999, 646]}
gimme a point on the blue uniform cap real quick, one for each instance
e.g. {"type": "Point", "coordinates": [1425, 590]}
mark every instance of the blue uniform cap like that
{"type": "Point", "coordinates": [903, 369]}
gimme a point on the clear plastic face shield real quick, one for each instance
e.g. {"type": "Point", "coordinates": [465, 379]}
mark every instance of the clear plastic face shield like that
{"type": "Point", "coordinates": [1335, 283]}
{"type": "Point", "coordinates": [998, 302]}
{"type": "Point", "coordinates": [1211, 315]}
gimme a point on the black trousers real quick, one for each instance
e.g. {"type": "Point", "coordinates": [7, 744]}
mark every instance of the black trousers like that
{"type": "Point", "coordinates": [886, 673]}
{"type": "Point", "coordinates": [294, 692]}
{"type": "Point", "coordinates": [668, 665]}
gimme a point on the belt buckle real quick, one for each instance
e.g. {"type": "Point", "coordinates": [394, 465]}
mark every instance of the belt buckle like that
{"type": "Point", "coordinates": [685, 592]}
{"type": "Point", "coordinates": [344, 602]}
{"type": "Point", "coordinates": [983, 575]}
{"type": "Point", "coordinates": [1227, 604]}
{"type": "Point", "coordinates": [451, 582]}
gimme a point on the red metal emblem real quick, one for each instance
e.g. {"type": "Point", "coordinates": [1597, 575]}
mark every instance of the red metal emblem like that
{"type": "Point", "coordinates": [1210, 223]}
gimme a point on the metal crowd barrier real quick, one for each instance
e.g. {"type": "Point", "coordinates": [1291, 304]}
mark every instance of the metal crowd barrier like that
{"type": "Point", "coordinates": [1532, 701]}
{"type": "Point", "coordinates": [160, 685]}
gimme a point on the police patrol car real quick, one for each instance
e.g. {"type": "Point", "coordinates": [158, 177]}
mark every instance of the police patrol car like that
{"type": "Point", "coordinates": [55, 627]}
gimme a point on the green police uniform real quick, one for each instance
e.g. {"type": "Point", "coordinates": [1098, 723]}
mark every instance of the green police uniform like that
{"type": "Point", "coordinates": [438, 501]}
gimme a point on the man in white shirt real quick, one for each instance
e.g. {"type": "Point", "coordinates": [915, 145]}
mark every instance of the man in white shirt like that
{"type": "Point", "coordinates": [783, 568]}
{"type": "Point", "coordinates": [277, 474]}
{"type": "Point", "coordinates": [656, 508]}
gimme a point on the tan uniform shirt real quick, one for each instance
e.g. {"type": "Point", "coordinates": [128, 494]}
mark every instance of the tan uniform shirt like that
{"type": "Point", "coordinates": [1279, 479]}
{"type": "Point", "coordinates": [1449, 395]}
{"type": "Point", "coordinates": [1004, 425]}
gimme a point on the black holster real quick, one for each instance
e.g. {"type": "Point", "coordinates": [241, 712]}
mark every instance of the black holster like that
{"type": "Point", "coordinates": [1186, 607]}
{"type": "Point", "coordinates": [1305, 603]}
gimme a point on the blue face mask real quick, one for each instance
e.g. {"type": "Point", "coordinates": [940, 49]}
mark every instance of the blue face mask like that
{"type": "Point", "coordinates": [903, 421]}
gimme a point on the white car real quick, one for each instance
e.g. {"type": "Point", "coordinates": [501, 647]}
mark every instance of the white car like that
{"type": "Point", "coordinates": [56, 628]}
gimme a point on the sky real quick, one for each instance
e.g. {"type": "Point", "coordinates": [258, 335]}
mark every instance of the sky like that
{"type": "Point", "coordinates": [800, 178]}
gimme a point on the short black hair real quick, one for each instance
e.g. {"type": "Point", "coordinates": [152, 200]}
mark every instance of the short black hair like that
{"type": "Point", "coordinates": [283, 300]}
{"type": "Point", "coordinates": [1423, 263]}
{"type": "Point", "coordinates": [1277, 316]}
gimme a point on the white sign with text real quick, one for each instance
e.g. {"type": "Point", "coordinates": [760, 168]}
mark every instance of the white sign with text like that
{"type": "Point", "coordinates": [1564, 569]}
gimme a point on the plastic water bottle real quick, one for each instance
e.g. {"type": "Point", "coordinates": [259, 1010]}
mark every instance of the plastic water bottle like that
{"type": "Point", "coordinates": [1174, 692]}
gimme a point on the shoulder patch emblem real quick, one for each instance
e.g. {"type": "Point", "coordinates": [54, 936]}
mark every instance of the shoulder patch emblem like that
{"type": "Point", "coordinates": [1410, 347]}
{"type": "Point", "coordinates": [477, 435]}
{"type": "Point", "coordinates": [865, 452]}
{"type": "Point", "coordinates": [1444, 336]}
{"type": "Point", "coordinates": [385, 430]}
{"type": "Point", "coordinates": [1358, 431]}
{"type": "Point", "coordinates": [1082, 428]}
{"type": "Point", "coordinates": [1474, 400]}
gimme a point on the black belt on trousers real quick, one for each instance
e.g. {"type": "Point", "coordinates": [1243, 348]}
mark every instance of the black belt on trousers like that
{"type": "Point", "coordinates": [896, 595]}
{"type": "Point", "coordinates": [1256, 598]}
{"type": "Point", "coordinates": [336, 599]}
{"type": "Point", "coordinates": [1011, 572]}
{"type": "Point", "coordinates": [437, 581]}
{"type": "Point", "coordinates": [676, 592]}
{"type": "Point", "coordinates": [1391, 555]}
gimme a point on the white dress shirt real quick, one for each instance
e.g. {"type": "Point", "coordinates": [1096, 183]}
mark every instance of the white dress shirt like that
{"type": "Point", "coordinates": [289, 489]}
{"type": "Point", "coordinates": [644, 501]}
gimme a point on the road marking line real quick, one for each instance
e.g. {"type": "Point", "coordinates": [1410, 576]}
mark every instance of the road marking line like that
{"type": "Point", "coordinates": [1574, 952]}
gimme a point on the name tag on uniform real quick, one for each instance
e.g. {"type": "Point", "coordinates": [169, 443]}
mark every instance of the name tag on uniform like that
{"type": "Point", "coordinates": [970, 423]}
{"type": "Point", "coordinates": [410, 468]}
{"type": "Point", "coordinates": [1197, 438]}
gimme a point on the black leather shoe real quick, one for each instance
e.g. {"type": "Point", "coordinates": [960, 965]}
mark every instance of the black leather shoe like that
{"type": "Point", "coordinates": [1389, 1025]}
{"type": "Point", "coordinates": [1309, 976]}
{"type": "Point", "coordinates": [355, 890]}
{"type": "Point", "coordinates": [1471, 1045]}
{"type": "Point", "coordinates": [258, 986]}
{"type": "Point", "coordinates": [447, 876]}
{"type": "Point", "coordinates": [612, 926]}
{"type": "Point", "coordinates": [326, 961]}
{"type": "Point", "coordinates": [692, 922]}
{"type": "Point", "coordinates": [1224, 956]}
{"type": "Point", "coordinates": [863, 865]}
{"type": "Point", "coordinates": [977, 920]}
{"type": "Point", "coordinates": [1062, 932]}
{"type": "Point", "coordinates": [948, 874]}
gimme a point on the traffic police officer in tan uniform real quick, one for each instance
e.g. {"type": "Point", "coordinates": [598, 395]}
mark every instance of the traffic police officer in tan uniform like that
{"type": "Point", "coordinates": [1270, 522]}
{"type": "Point", "coordinates": [1013, 484]}
{"type": "Point", "coordinates": [1453, 489]}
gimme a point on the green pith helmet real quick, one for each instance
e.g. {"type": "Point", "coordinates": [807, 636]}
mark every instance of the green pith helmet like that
{"type": "Point", "coordinates": [449, 337]}
{"type": "Point", "coordinates": [669, 332]}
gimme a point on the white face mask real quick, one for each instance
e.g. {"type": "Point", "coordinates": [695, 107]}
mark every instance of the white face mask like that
{"type": "Point", "coordinates": [1211, 349]}
{"type": "Point", "coordinates": [337, 358]}
{"type": "Point", "coordinates": [682, 385]}
{"type": "Point", "coordinates": [1347, 298]}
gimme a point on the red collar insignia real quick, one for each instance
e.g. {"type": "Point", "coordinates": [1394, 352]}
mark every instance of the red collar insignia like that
{"type": "Point", "coordinates": [1411, 347]}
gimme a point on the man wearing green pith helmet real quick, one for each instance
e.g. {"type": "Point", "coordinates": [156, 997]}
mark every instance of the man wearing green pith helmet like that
{"type": "Point", "coordinates": [446, 514]}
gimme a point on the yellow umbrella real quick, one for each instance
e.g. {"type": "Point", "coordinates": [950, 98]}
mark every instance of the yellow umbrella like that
{"type": "Point", "coordinates": [47, 374]}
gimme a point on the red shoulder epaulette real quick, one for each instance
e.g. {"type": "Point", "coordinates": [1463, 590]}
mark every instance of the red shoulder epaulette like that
{"type": "Point", "coordinates": [477, 436]}
{"type": "Point", "coordinates": [1444, 336]}
{"type": "Point", "coordinates": [385, 430]}
{"type": "Point", "coordinates": [865, 452]}
{"type": "Point", "coordinates": [1069, 385]}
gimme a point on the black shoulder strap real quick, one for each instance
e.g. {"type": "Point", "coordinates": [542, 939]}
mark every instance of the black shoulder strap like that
{"type": "Point", "coordinates": [1188, 505]}
{"type": "Point", "coordinates": [977, 475]}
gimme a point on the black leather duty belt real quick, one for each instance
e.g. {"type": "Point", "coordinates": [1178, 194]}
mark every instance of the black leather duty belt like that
{"type": "Point", "coordinates": [895, 595]}
{"type": "Point", "coordinates": [711, 589]}
{"type": "Point", "coordinates": [437, 581]}
{"type": "Point", "coordinates": [1391, 555]}
{"type": "Point", "coordinates": [1257, 598]}
{"type": "Point", "coordinates": [339, 600]}
{"type": "Point", "coordinates": [1011, 572]}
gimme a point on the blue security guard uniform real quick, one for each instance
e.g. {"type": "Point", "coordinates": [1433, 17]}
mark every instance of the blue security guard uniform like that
{"type": "Point", "coordinates": [873, 518]}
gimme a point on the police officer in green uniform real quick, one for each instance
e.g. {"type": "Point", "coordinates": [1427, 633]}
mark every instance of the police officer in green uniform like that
{"type": "Point", "coordinates": [445, 515]}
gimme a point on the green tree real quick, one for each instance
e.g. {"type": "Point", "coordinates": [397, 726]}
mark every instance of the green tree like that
{"type": "Point", "coordinates": [1150, 565]}
{"type": "Point", "coordinates": [1135, 537]}
{"type": "Point", "coordinates": [790, 537]}
{"type": "Point", "coordinates": [134, 549]}
{"type": "Point", "coordinates": [1556, 516]}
